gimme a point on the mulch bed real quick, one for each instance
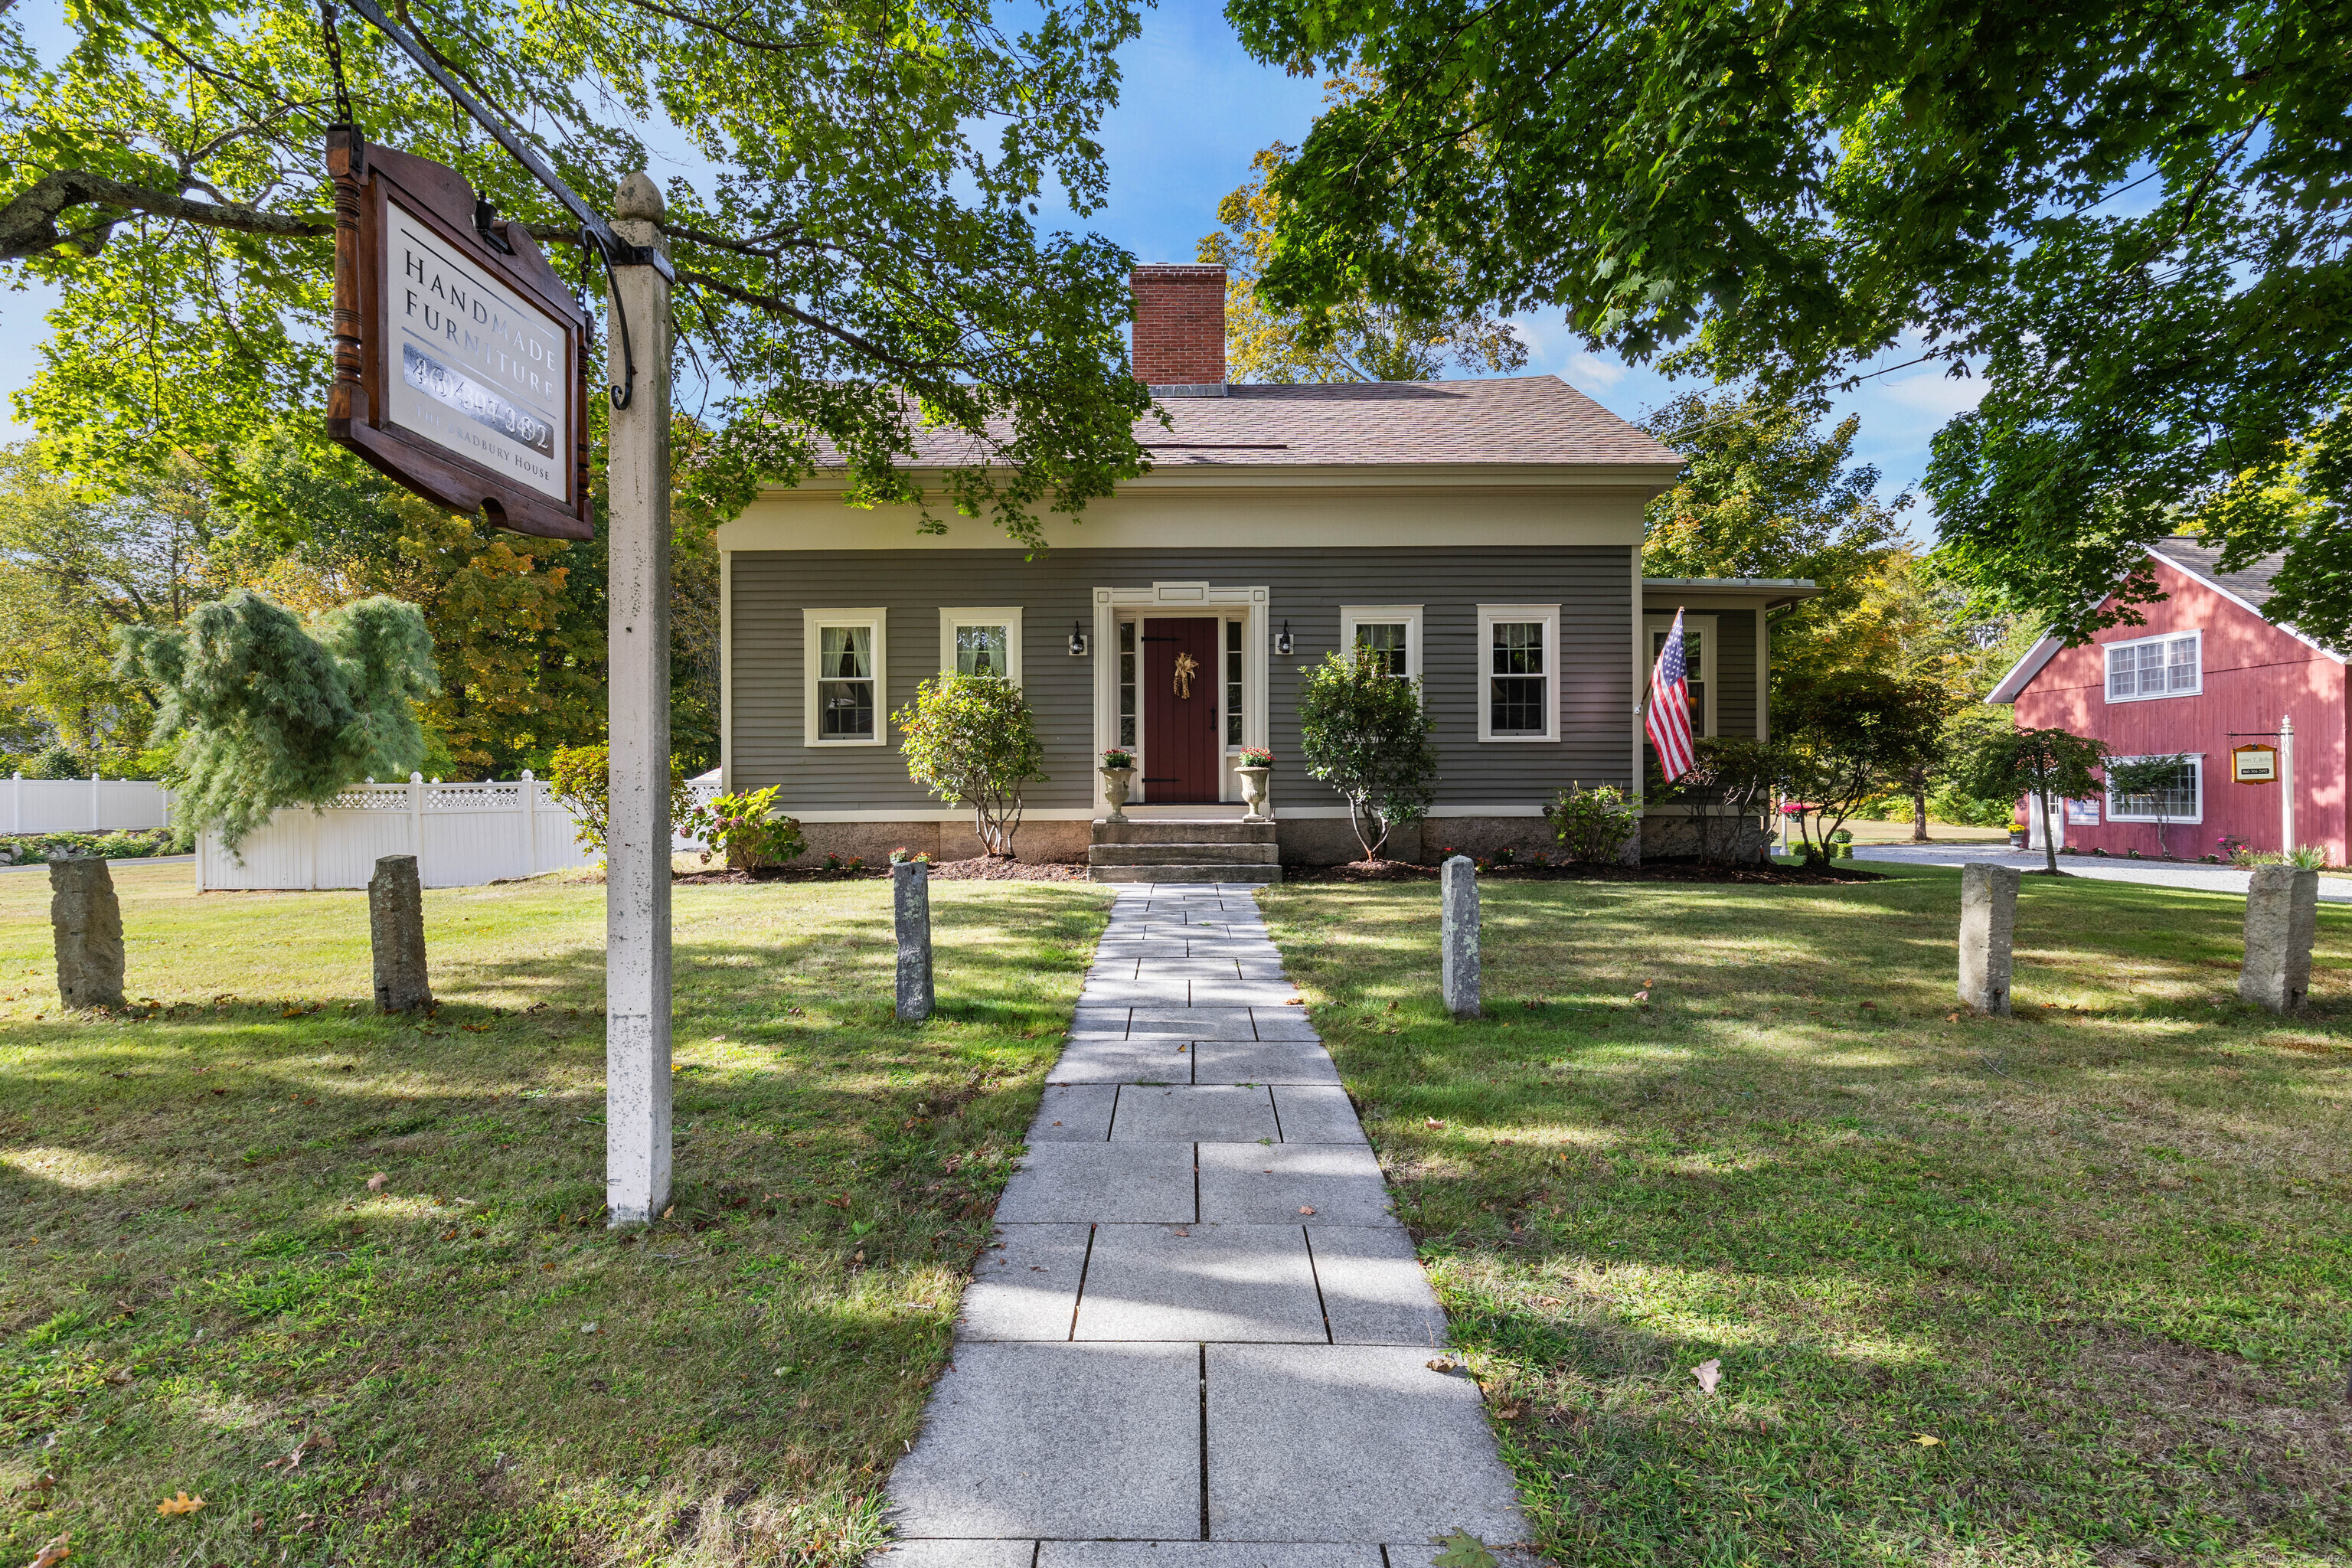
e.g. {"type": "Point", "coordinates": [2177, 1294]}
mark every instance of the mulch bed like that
{"type": "Point", "coordinates": [979, 868]}
{"type": "Point", "coordinates": [1663, 871]}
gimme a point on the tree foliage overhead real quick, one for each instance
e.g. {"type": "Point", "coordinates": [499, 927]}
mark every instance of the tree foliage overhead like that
{"type": "Point", "coordinates": [2130, 218]}
{"type": "Point", "coordinates": [270, 713]}
{"type": "Point", "coordinates": [1767, 493]}
{"type": "Point", "coordinates": [862, 263]}
{"type": "Point", "coordinates": [1366, 340]}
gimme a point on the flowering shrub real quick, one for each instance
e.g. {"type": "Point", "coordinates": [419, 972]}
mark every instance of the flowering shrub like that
{"type": "Point", "coordinates": [843, 865]}
{"type": "Point", "coordinates": [744, 830]}
{"type": "Point", "coordinates": [902, 855]}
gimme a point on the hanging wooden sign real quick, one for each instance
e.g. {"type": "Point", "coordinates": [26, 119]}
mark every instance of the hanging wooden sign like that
{"type": "Point", "coordinates": [460, 363]}
{"type": "Point", "coordinates": [2253, 765]}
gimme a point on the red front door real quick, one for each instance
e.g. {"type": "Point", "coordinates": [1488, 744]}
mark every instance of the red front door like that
{"type": "Point", "coordinates": [1183, 763]}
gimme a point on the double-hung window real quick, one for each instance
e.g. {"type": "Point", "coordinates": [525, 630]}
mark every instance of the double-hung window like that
{"type": "Point", "coordinates": [981, 642]}
{"type": "Point", "coordinates": [2168, 666]}
{"type": "Point", "coordinates": [1698, 662]}
{"type": "Point", "coordinates": [1391, 632]}
{"type": "Point", "coordinates": [1518, 652]}
{"type": "Point", "coordinates": [2179, 798]}
{"type": "Point", "coordinates": [843, 651]}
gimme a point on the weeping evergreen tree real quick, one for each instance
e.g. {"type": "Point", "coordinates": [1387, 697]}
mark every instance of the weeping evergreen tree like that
{"type": "Point", "coordinates": [272, 713]}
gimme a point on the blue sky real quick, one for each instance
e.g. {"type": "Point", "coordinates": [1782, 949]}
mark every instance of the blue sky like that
{"type": "Point", "coordinates": [1192, 109]}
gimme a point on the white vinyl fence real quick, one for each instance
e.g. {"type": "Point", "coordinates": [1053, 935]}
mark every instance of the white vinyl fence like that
{"type": "Point", "coordinates": [463, 835]}
{"type": "Point", "coordinates": [81, 805]}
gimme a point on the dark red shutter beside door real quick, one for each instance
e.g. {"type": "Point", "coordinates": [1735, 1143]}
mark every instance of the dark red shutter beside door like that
{"type": "Point", "coordinates": [1182, 762]}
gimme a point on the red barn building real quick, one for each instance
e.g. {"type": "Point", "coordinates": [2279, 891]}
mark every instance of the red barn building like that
{"type": "Point", "coordinates": [2205, 674]}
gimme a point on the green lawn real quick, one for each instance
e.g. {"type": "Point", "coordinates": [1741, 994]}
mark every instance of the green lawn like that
{"type": "Point", "coordinates": [2100, 1253]}
{"type": "Point", "coordinates": [197, 1280]}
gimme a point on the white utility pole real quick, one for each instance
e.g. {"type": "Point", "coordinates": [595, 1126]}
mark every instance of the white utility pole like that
{"type": "Point", "coordinates": [637, 846]}
{"type": "Point", "coordinates": [2286, 784]}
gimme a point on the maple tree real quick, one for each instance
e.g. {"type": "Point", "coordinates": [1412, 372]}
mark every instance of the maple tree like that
{"type": "Point", "coordinates": [2131, 220]}
{"type": "Point", "coordinates": [861, 264]}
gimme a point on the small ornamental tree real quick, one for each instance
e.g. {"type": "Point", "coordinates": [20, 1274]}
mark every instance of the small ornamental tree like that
{"type": "Point", "coordinates": [2150, 779]}
{"type": "Point", "coordinates": [273, 713]}
{"type": "Point", "coordinates": [2043, 764]}
{"type": "Point", "coordinates": [1847, 736]}
{"type": "Point", "coordinates": [579, 780]}
{"type": "Point", "coordinates": [1730, 785]}
{"type": "Point", "coordinates": [1364, 732]}
{"type": "Point", "coordinates": [972, 738]}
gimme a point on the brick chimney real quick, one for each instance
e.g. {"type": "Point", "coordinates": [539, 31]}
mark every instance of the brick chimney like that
{"type": "Point", "coordinates": [1180, 330]}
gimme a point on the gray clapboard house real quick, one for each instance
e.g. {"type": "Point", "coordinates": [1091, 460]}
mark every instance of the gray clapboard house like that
{"type": "Point", "coordinates": [1485, 535]}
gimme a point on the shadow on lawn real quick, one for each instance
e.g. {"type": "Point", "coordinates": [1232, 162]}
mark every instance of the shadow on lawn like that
{"type": "Point", "coordinates": [502, 1380]}
{"type": "Point", "coordinates": [2090, 1258]}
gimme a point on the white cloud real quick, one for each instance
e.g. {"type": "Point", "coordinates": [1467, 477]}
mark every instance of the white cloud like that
{"type": "Point", "coordinates": [1934, 392]}
{"type": "Point", "coordinates": [1588, 369]}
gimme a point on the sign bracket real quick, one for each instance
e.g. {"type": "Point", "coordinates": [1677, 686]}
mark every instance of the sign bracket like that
{"type": "Point", "coordinates": [596, 233]}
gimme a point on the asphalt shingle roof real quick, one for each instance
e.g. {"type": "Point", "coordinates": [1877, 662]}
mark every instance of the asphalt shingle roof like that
{"type": "Point", "coordinates": [1509, 419]}
{"type": "Point", "coordinates": [2194, 556]}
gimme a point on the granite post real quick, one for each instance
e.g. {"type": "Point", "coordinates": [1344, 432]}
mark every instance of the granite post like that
{"type": "Point", "coordinates": [637, 1133]}
{"type": "Point", "coordinates": [87, 919]}
{"type": "Point", "coordinates": [1458, 936]}
{"type": "Point", "coordinates": [397, 935]}
{"type": "Point", "coordinates": [910, 901]}
{"type": "Point", "coordinates": [2282, 918]}
{"type": "Point", "coordinates": [1987, 926]}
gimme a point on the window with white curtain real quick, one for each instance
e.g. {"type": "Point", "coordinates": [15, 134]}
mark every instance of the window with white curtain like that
{"type": "Point", "coordinates": [844, 652]}
{"type": "Point", "coordinates": [981, 642]}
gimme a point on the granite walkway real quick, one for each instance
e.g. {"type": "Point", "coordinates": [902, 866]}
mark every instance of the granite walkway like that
{"type": "Point", "coordinates": [1202, 1340]}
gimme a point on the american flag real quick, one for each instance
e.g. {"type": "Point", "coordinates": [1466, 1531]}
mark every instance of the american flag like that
{"type": "Point", "coordinates": [1668, 723]}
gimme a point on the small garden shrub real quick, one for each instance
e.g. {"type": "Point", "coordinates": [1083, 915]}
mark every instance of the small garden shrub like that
{"type": "Point", "coordinates": [1592, 825]}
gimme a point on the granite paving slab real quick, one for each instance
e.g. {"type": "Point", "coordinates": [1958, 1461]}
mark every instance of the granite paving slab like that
{"type": "Point", "coordinates": [1197, 1273]}
{"type": "Point", "coordinates": [1221, 1114]}
{"type": "Point", "coordinates": [1027, 1286]}
{"type": "Point", "coordinates": [1374, 1289]}
{"type": "Point", "coordinates": [1200, 1282]}
{"type": "Point", "coordinates": [1079, 1183]}
{"type": "Point", "coordinates": [1306, 1184]}
{"type": "Point", "coordinates": [1314, 1113]}
{"type": "Point", "coordinates": [1071, 1441]}
{"type": "Point", "coordinates": [1203, 1555]}
{"type": "Point", "coordinates": [1349, 1443]}
{"type": "Point", "coordinates": [1075, 1113]}
{"type": "Point", "coordinates": [1263, 1061]}
{"type": "Point", "coordinates": [1122, 1060]}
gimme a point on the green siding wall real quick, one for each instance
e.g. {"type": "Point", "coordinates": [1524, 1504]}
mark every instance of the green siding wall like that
{"type": "Point", "coordinates": [1591, 584]}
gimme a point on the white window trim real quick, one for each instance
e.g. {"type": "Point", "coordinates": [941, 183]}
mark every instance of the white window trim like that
{"type": "Point", "coordinates": [2107, 660]}
{"type": "Point", "coordinates": [2195, 760]}
{"type": "Point", "coordinates": [812, 623]}
{"type": "Point", "coordinates": [1353, 615]}
{"type": "Point", "coordinates": [1488, 615]}
{"type": "Point", "coordinates": [1704, 626]}
{"type": "Point", "coordinates": [1008, 616]}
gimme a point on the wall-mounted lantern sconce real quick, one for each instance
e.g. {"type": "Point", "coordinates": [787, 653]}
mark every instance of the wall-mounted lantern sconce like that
{"type": "Point", "coordinates": [1077, 640]}
{"type": "Point", "coordinates": [1282, 639]}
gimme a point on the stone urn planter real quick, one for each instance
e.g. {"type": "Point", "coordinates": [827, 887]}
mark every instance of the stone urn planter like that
{"type": "Point", "coordinates": [1117, 784]}
{"type": "Point", "coordinates": [1254, 791]}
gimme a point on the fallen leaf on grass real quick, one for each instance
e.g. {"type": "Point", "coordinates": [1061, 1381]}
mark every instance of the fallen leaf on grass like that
{"type": "Point", "coordinates": [588, 1328]}
{"type": "Point", "coordinates": [1710, 1372]}
{"type": "Point", "coordinates": [376, 1181]}
{"type": "Point", "coordinates": [1431, 1122]}
{"type": "Point", "coordinates": [1925, 1441]}
{"type": "Point", "coordinates": [1641, 995]}
{"type": "Point", "coordinates": [838, 1201]}
{"type": "Point", "coordinates": [184, 1503]}
{"type": "Point", "coordinates": [1443, 1364]}
{"type": "Point", "coordinates": [52, 1553]}
{"type": "Point", "coordinates": [1464, 1549]}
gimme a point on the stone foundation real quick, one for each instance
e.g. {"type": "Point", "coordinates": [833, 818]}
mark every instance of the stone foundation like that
{"type": "Point", "coordinates": [1667, 837]}
{"type": "Point", "coordinates": [873, 841]}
